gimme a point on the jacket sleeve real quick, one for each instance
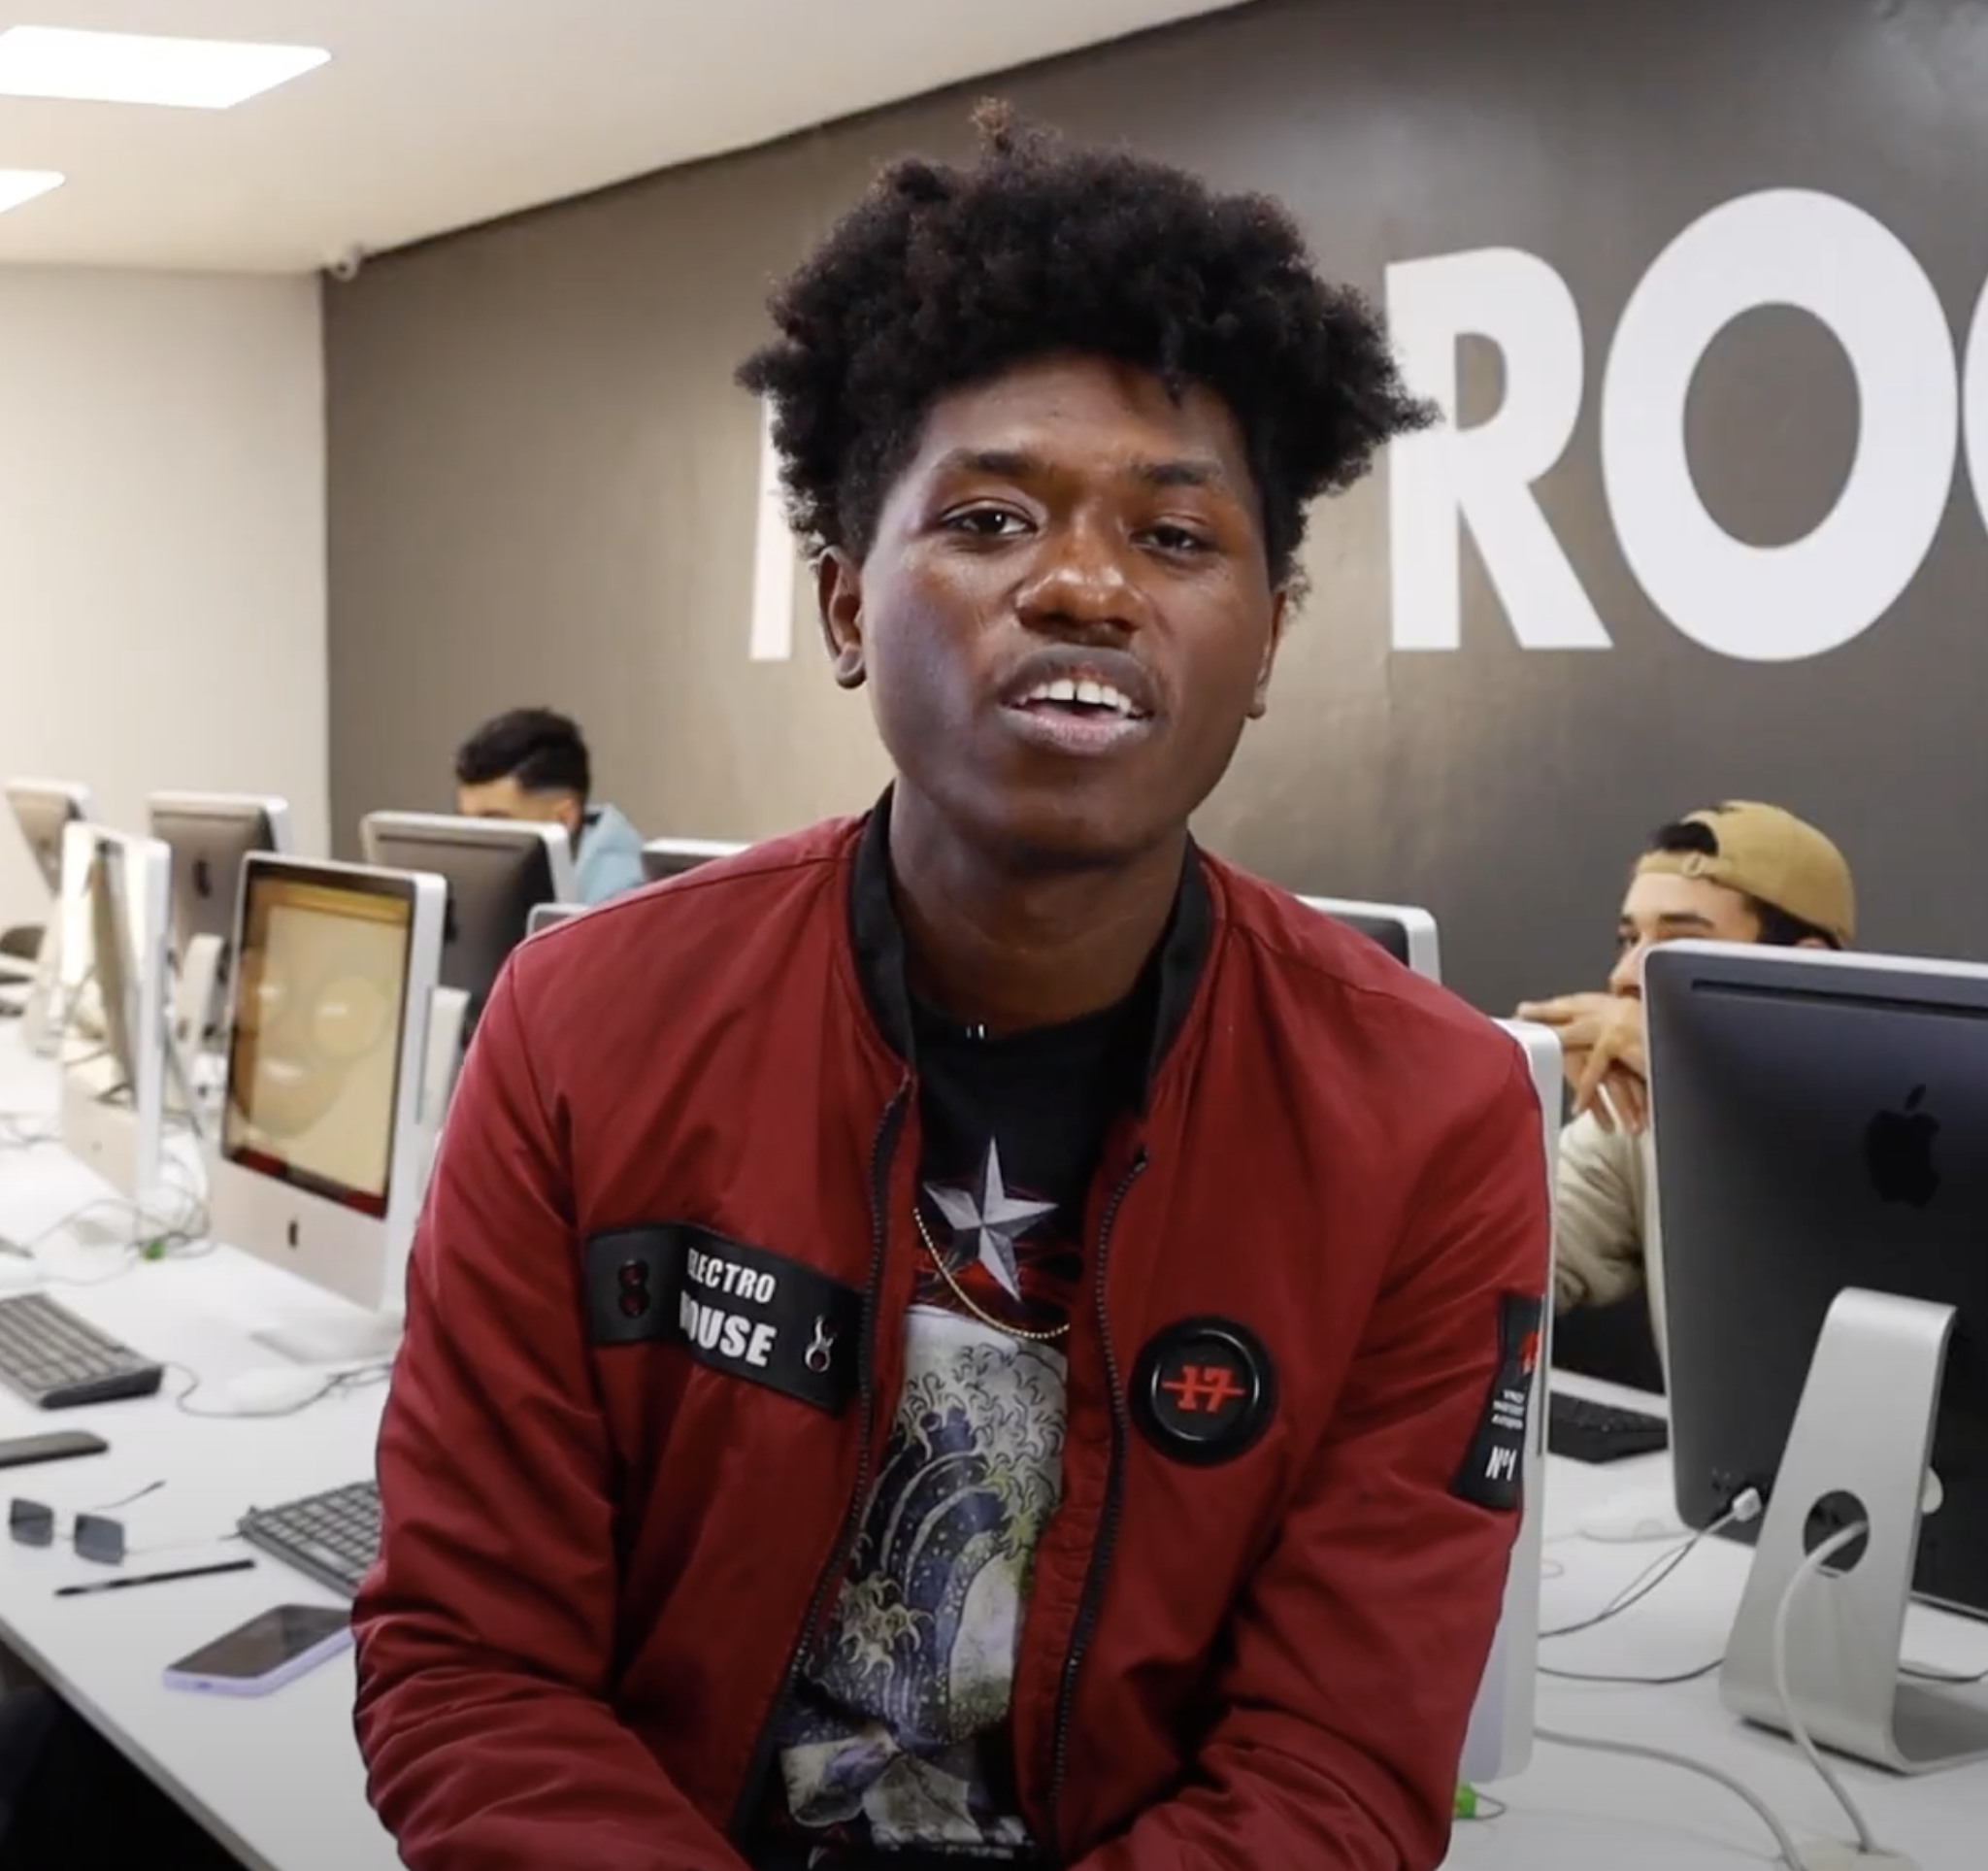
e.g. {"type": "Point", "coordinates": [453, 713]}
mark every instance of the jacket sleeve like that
{"type": "Point", "coordinates": [1357, 1650]}
{"type": "Point", "coordinates": [1598, 1247]}
{"type": "Point", "coordinates": [485, 1629]}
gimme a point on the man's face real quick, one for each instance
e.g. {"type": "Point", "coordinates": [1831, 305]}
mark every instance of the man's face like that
{"type": "Point", "coordinates": [1664, 908]}
{"type": "Point", "coordinates": [505, 798]}
{"type": "Point", "coordinates": [1066, 617]}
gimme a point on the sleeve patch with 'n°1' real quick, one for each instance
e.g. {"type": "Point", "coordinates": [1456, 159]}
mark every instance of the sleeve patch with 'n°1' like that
{"type": "Point", "coordinates": [1493, 1471]}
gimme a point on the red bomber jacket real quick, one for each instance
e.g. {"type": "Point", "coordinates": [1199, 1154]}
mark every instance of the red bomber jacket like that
{"type": "Point", "coordinates": [653, 1340]}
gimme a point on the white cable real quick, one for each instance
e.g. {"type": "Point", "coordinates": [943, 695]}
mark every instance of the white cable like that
{"type": "Point", "coordinates": [1746, 1508]}
{"type": "Point", "coordinates": [1789, 1855]}
{"type": "Point", "coordinates": [1807, 1570]}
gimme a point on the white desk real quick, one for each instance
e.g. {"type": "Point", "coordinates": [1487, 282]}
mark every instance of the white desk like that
{"type": "Point", "coordinates": [276, 1779]}
{"type": "Point", "coordinates": [279, 1781]}
{"type": "Point", "coordinates": [1575, 1811]}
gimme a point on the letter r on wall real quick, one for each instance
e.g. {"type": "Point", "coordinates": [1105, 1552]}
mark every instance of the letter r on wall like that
{"type": "Point", "coordinates": [1482, 477]}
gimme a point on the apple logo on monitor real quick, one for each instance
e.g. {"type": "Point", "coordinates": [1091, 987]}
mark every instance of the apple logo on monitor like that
{"type": "Point", "coordinates": [1898, 1151]}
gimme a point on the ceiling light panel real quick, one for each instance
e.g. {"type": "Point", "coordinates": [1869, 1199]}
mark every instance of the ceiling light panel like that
{"type": "Point", "coordinates": [136, 68]}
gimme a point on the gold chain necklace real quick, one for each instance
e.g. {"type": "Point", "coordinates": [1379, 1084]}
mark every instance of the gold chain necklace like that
{"type": "Point", "coordinates": [966, 1298]}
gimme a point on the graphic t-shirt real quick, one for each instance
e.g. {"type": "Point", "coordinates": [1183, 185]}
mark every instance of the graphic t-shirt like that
{"type": "Point", "coordinates": [897, 1739]}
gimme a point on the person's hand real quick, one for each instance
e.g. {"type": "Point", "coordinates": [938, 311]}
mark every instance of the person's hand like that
{"type": "Point", "coordinates": [1601, 1049]}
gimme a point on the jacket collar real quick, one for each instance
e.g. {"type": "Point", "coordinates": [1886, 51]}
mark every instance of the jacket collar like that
{"type": "Point", "coordinates": [879, 940]}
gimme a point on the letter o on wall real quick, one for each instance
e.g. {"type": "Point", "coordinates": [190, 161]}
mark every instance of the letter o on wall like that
{"type": "Point", "coordinates": [1975, 404]}
{"type": "Point", "coordinates": [1782, 603]}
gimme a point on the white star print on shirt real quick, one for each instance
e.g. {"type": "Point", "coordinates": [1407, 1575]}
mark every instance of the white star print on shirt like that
{"type": "Point", "coordinates": [986, 1227]}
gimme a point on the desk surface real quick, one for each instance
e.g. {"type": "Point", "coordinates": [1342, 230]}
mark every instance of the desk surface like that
{"type": "Point", "coordinates": [279, 1779]}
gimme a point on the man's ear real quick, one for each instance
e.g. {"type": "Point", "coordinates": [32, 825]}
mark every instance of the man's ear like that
{"type": "Point", "coordinates": [1279, 615]}
{"type": "Point", "coordinates": [839, 594]}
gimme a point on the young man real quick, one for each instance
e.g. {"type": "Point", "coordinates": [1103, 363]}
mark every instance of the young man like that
{"type": "Point", "coordinates": [979, 1335]}
{"type": "Point", "coordinates": [532, 763]}
{"type": "Point", "coordinates": [1739, 872]}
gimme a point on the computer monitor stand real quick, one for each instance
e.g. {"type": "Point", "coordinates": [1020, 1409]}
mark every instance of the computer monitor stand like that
{"type": "Point", "coordinates": [194, 992]}
{"type": "Point", "coordinates": [448, 1013]}
{"type": "Point", "coordinates": [41, 1019]}
{"type": "Point", "coordinates": [195, 1071]}
{"type": "Point", "coordinates": [1860, 1451]}
{"type": "Point", "coordinates": [342, 1334]}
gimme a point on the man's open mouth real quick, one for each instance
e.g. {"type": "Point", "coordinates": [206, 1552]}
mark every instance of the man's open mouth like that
{"type": "Point", "coordinates": [1083, 698]}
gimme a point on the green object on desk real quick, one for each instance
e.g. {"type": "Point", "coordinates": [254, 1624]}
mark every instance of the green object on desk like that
{"type": "Point", "coordinates": [1467, 1801]}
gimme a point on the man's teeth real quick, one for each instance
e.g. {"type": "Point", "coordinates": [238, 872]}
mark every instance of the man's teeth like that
{"type": "Point", "coordinates": [1091, 694]}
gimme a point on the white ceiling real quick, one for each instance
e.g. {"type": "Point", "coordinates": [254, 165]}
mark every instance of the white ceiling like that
{"type": "Point", "coordinates": [435, 114]}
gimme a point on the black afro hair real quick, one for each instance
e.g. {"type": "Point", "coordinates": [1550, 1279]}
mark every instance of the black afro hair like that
{"type": "Point", "coordinates": [941, 277]}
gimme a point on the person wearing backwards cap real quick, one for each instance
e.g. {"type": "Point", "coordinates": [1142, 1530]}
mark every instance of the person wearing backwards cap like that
{"type": "Point", "coordinates": [1739, 872]}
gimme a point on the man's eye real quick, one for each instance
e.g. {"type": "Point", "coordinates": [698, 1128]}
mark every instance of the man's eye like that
{"type": "Point", "coordinates": [1176, 539]}
{"type": "Point", "coordinates": [986, 522]}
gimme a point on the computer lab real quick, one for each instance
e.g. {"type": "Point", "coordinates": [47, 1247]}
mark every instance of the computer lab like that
{"type": "Point", "coordinates": [1042, 940]}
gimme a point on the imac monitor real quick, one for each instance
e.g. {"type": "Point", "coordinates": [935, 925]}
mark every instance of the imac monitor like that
{"type": "Point", "coordinates": [497, 871]}
{"type": "Point", "coordinates": [1408, 934]}
{"type": "Point", "coordinates": [321, 1165]}
{"type": "Point", "coordinates": [549, 916]}
{"type": "Point", "coordinates": [1821, 1122]}
{"type": "Point", "coordinates": [210, 834]}
{"type": "Point", "coordinates": [43, 809]}
{"type": "Point", "coordinates": [113, 1006]}
{"type": "Point", "coordinates": [663, 858]}
{"type": "Point", "coordinates": [1499, 1740]}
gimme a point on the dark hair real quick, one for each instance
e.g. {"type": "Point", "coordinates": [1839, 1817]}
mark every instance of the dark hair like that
{"type": "Point", "coordinates": [1778, 929]}
{"type": "Point", "coordinates": [943, 276]}
{"type": "Point", "coordinates": [541, 751]}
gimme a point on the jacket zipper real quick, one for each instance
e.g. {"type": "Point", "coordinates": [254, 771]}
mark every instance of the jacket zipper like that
{"type": "Point", "coordinates": [1108, 1525]}
{"type": "Point", "coordinates": [745, 1813]}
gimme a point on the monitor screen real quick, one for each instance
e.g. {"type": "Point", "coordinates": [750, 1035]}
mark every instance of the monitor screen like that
{"type": "Point", "coordinates": [319, 1003]}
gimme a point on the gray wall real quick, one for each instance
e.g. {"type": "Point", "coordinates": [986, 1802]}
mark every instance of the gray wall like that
{"type": "Point", "coordinates": [543, 488]}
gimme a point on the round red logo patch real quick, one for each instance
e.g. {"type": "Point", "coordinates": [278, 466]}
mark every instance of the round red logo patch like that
{"type": "Point", "coordinates": [1203, 1391]}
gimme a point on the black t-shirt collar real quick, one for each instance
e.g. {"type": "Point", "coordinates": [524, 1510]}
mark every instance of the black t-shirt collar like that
{"type": "Point", "coordinates": [877, 937]}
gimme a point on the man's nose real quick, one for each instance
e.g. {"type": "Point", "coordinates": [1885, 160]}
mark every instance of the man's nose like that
{"type": "Point", "coordinates": [1083, 583]}
{"type": "Point", "coordinates": [1625, 977]}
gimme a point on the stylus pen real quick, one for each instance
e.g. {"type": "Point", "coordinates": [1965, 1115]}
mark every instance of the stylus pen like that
{"type": "Point", "coordinates": [154, 1578]}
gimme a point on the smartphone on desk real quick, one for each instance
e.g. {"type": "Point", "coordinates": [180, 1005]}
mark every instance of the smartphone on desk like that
{"type": "Point", "coordinates": [61, 1444]}
{"type": "Point", "coordinates": [266, 1652]}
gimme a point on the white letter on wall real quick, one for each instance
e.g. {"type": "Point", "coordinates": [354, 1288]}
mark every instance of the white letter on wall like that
{"type": "Point", "coordinates": [774, 561]}
{"type": "Point", "coordinates": [1782, 603]}
{"type": "Point", "coordinates": [1482, 476]}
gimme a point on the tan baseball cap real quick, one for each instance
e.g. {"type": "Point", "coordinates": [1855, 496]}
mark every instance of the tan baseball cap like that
{"type": "Point", "coordinates": [1772, 856]}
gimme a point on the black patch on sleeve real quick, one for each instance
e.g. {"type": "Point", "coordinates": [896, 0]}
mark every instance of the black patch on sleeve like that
{"type": "Point", "coordinates": [736, 1308]}
{"type": "Point", "coordinates": [1493, 1471]}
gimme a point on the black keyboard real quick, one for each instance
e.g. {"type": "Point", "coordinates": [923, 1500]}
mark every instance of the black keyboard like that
{"type": "Point", "coordinates": [1584, 1430]}
{"type": "Point", "coordinates": [57, 1360]}
{"type": "Point", "coordinates": [330, 1537]}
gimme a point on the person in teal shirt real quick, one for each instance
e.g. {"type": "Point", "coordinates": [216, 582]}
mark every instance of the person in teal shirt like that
{"type": "Point", "coordinates": [532, 763]}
